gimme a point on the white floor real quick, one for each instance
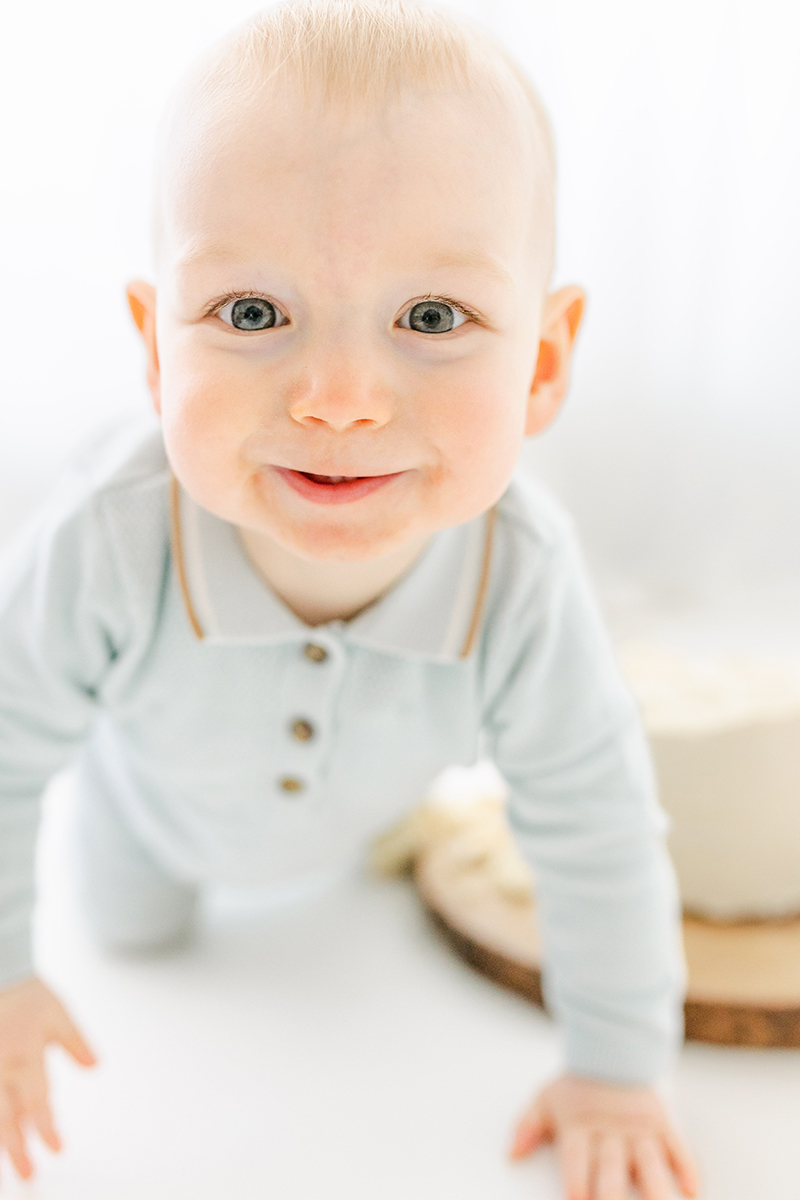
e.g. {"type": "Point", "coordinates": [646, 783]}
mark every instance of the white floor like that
{"type": "Point", "coordinates": [338, 1049]}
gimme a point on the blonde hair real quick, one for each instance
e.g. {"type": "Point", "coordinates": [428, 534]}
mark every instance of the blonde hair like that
{"type": "Point", "coordinates": [365, 52]}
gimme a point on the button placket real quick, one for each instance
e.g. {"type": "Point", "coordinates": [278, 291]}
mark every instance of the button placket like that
{"type": "Point", "coordinates": [311, 684]}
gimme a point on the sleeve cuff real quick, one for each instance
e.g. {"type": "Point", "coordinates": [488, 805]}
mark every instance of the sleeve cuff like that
{"type": "Point", "coordinates": [633, 1054]}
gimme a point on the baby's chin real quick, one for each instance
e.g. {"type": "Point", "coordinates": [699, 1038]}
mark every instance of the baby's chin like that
{"type": "Point", "coordinates": [342, 543]}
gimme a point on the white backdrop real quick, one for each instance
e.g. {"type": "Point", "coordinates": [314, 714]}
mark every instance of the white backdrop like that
{"type": "Point", "coordinates": [677, 126]}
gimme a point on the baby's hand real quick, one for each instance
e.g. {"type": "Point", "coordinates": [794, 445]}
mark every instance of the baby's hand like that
{"type": "Point", "coordinates": [608, 1135]}
{"type": "Point", "coordinates": [31, 1017]}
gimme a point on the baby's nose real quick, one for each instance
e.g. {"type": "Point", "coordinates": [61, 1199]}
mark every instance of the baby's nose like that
{"type": "Point", "coordinates": [341, 397]}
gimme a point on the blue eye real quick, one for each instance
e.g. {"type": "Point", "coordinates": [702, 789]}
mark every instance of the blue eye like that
{"type": "Point", "coordinates": [432, 316]}
{"type": "Point", "coordinates": [250, 313]}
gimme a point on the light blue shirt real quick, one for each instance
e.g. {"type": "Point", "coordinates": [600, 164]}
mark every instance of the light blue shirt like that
{"type": "Point", "coordinates": [136, 634]}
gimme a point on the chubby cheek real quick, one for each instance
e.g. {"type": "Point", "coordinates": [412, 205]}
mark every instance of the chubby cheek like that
{"type": "Point", "coordinates": [203, 417]}
{"type": "Point", "coordinates": [479, 430]}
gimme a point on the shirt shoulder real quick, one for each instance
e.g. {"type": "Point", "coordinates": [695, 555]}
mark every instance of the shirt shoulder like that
{"type": "Point", "coordinates": [117, 457]}
{"type": "Point", "coordinates": [104, 521]}
{"type": "Point", "coordinates": [109, 478]}
{"type": "Point", "coordinates": [539, 593]}
{"type": "Point", "coordinates": [535, 548]}
{"type": "Point", "coordinates": [544, 634]}
{"type": "Point", "coordinates": [119, 484]}
{"type": "Point", "coordinates": [531, 519]}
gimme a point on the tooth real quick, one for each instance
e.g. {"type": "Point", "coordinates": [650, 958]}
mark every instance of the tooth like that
{"type": "Point", "coordinates": [330, 478]}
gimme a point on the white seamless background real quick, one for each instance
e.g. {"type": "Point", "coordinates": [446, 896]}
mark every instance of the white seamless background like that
{"type": "Point", "coordinates": [677, 129]}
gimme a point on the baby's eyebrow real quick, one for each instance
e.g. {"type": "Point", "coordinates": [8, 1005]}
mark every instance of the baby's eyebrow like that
{"type": "Point", "coordinates": [474, 261]}
{"type": "Point", "coordinates": [213, 252]}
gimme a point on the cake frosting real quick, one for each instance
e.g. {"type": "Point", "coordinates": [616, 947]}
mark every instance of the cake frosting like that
{"type": "Point", "coordinates": [725, 735]}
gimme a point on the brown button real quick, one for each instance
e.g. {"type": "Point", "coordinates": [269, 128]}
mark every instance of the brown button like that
{"type": "Point", "coordinates": [290, 783]}
{"type": "Point", "coordinates": [303, 730]}
{"type": "Point", "coordinates": [315, 653]}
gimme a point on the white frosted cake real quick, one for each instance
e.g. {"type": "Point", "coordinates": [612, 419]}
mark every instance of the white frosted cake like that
{"type": "Point", "coordinates": [725, 734]}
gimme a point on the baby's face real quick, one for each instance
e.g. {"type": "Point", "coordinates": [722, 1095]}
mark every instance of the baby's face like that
{"type": "Point", "coordinates": [348, 315]}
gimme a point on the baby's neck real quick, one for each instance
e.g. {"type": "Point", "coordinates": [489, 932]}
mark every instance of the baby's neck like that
{"type": "Point", "coordinates": [320, 591]}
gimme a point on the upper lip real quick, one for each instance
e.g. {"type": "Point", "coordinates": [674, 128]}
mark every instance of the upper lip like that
{"type": "Point", "coordinates": [338, 474]}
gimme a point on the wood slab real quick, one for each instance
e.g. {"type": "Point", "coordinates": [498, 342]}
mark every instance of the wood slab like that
{"type": "Point", "coordinates": [744, 979]}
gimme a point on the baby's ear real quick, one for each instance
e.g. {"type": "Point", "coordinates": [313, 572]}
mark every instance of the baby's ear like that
{"type": "Point", "coordinates": [142, 303]}
{"type": "Point", "coordinates": [561, 318]}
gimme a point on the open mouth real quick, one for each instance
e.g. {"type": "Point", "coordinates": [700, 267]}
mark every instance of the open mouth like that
{"type": "Point", "coordinates": [329, 479]}
{"type": "Point", "coordinates": [334, 489]}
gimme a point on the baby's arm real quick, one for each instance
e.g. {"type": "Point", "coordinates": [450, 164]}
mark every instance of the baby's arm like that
{"type": "Point", "coordinates": [607, 1136]}
{"type": "Point", "coordinates": [55, 651]}
{"type": "Point", "coordinates": [582, 806]}
{"type": "Point", "coordinates": [31, 1017]}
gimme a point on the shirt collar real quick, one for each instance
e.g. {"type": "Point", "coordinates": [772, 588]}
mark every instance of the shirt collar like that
{"type": "Point", "coordinates": [434, 611]}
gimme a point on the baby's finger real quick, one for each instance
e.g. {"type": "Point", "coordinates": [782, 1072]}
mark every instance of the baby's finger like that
{"type": "Point", "coordinates": [611, 1169]}
{"type": "Point", "coordinates": [12, 1138]}
{"type": "Point", "coordinates": [70, 1037]}
{"type": "Point", "coordinates": [575, 1152]}
{"type": "Point", "coordinates": [652, 1173]}
{"type": "Point", "coordinates": [532, 1130]}
{"type": "Point", "coordinates": [33, 1103]}
{"type": "Point", "coordinates": [43, 1120]}
{"type": "Point", "coordinates": [681, 1163]}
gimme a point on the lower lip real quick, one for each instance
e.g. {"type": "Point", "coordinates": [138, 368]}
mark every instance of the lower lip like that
{"type": "Point", "coordinates": [334, 493]}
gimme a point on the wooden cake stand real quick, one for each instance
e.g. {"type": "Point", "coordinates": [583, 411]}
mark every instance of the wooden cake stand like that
{"type": "Point", "coordinates": [744, 979]}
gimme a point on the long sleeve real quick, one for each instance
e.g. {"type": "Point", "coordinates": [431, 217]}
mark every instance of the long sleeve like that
{"type": "Point", "coordinates": [567, 737]}
{"type": "Point", "coordinates": [55, 648]}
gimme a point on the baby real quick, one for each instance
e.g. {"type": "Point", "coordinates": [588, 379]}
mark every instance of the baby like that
{"type": "Point", "coordinates": [266, 622]}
